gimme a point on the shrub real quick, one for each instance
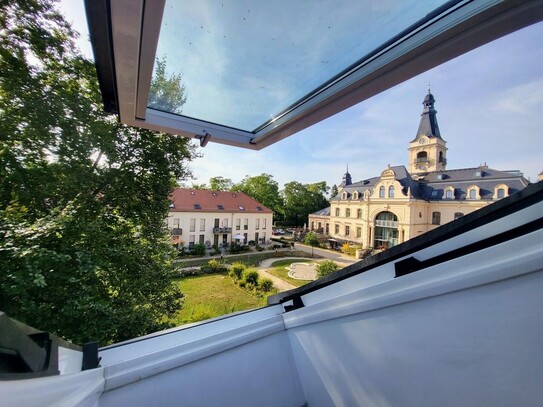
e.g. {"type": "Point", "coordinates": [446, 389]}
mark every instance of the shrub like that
{"type": "Point", "coordinates": [213, 266]}
{"type": "Point", "coordinates": [236, 270]}
{"type": "Point", "coordinates": [326, 267]}
{"type": "Point", "coordinates": [345, 248]}
{"type": "Point", "coordinates": [251, 277]}
{"type": "Point", "coordinates": [259, 248]}
{"type": "Point", "coordinates": [266, 285]}
{"type": "Point", "coordinates": [199, 249]}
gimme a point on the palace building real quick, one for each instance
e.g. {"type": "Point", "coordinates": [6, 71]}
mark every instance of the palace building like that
{"type": "Point", "coordinates": [402, 203]}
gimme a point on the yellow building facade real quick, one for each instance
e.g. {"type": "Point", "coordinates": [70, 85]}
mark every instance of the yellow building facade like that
{"type": "Point", "coordinates": [402, 203]}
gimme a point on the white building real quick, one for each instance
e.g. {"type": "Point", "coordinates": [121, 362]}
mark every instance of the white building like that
{"type": "Point", "coordinates": [217, 218]}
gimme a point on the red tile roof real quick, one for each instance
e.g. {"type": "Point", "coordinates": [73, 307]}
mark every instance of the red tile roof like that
{"type": "Point", "coordinates": [203, 200]}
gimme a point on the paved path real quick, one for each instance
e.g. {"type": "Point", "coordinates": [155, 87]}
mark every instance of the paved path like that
{"type": "Point", "coordinates": [340, 258]}
{"type": "Point", "coordinates": [281, 285]}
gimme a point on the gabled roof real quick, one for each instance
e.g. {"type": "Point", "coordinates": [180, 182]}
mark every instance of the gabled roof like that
{"type": "Point", "coordinates": [204, 200]}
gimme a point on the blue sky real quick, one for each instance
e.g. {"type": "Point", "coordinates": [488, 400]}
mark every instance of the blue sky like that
{"type": "Point", "coordinates": [489, 103]}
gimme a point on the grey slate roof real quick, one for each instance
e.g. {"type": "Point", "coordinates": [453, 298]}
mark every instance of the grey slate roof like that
{"type": "Point", "coordinates": [428, 122]}
{"type": "Point", "coordinates": [322, 212]}
{"type": "Point", "coordinates": [431, 186]}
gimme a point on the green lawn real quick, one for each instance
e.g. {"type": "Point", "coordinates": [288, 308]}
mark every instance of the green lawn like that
{"type": "Point", "coordinates": [279, 270]}
{"type": "Point", "coordinates": [211, 295]}
{"type": "Point", "coordinates": [250, 259]}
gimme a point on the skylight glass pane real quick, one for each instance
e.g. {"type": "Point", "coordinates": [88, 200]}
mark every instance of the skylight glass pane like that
{"type": "Point", "coordinates": [243, 63]}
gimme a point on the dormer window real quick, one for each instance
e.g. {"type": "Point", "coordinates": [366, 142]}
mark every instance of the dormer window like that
{"type": "Point", "coordinates": [241, 208]}
{"type": "Point", "coordinates": [355, 195]}
{"type": "Point", "coordinates": [449, 193]}
{"type": "Point", "coordinates": [382, 192]}
{"type": "Point", "coordinates": [501, 191]}
{"type": "Point", "coordinates": [344, 195]}
{"type": "Point", "coordinates": [197, 206]}
{"type": "Point", "coordinates": [473, 192]}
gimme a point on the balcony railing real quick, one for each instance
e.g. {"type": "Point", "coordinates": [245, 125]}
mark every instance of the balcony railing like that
{"type": "Point", "coordinates": [222, 230]}
{"type": "Point", "coordinates": [177, 231]}
{"type": "Point", "coordinates": [386, 223]}
{"type": "Point", "coordinates": [421, 160]}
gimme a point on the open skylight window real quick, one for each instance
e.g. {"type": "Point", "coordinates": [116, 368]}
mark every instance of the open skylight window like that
{"type": "Point", "coordinates": [257, 72]}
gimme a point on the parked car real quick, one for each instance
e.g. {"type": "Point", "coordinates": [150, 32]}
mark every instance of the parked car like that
{"type": "Point", "coordinates": [278, 232]}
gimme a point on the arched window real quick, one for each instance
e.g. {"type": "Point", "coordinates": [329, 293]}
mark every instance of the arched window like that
{"type": "Point", "coordinates": [449, 194]}
{"type": "Point", "coordinates": [386, 230]}
{"type": "Point", "coordinates": [382, 192]}
{"type": "Point", "coordinates": [501, 193]}
{"type": "Point", "coordinates": [441, 159]}
{"type": "Point", "coordinates": [355, 195]}
{"type": "Point", "coordinates": [472, 194]}
{"type": "Point", "coordinates": [391, 191]}
{"type": "Point", "coordinates": [347, 213]}
{"type": "Point", "coordinates": [422, 157]}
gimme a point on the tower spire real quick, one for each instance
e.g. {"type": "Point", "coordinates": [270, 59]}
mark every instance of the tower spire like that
{"type": "Point", "coordinates": [428, 121]}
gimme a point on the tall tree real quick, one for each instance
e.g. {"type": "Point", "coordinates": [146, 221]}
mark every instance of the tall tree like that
{"type": "Point", "coordinates": [220, 183]}
{"type": "Point", "coordinates": [265, 190]}
{"type": "Point", "coordinates": [334, 191]}
{"type": "Point", "coordinates": [83, 249]}
{"type": "Point", "coordinates": [303, 199]}
{"type": "Point", "coordinates": [167, 93]}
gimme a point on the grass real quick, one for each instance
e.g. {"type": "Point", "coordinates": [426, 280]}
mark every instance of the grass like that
{"type": "Point", "coordinates": [250, 259]}
{"type": "Point", "coordinates": [211, 295]}
{"type": "Point", "coordinates": [279, 270]}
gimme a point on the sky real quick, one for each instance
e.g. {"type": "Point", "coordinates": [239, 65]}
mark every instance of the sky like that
{"type": "Point", "coordinates": [490, 110]}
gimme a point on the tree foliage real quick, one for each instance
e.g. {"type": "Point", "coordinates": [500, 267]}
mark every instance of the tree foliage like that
{"type": "Point", "coordinates": [167, 93]}
{"type": "Point", "coordinates": [326, 267]}
{"type": "Point", "coordinates": [303, 199]}
{"type": "Point", "coordinates": [264, 189]}
{"type": "Point", "coordinates": [220, 183]}
{"type": "Point", "coordinates": [83, 249]}
{"type": "Point", "coordinates": [334, 191]}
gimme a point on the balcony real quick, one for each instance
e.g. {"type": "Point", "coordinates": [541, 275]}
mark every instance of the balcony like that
{"type": "Point", "coordinates": [176, 231]}
{"type": "Point", "coordinates": [421, 160]}
{"type": "Point", "coordinates": [217, 231]}
{"type": "Point", "coordinates": [386, 223]}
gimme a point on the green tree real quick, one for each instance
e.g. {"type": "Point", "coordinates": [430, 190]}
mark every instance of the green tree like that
{"type": "Point", "coordinates": [167, 93]}
{"type": "Point", "coordinates": [302, 200]}
{"type": "Point", "coordinates": [220, 183]}
{"type": "Point", "coordinates": [334, 191]}
{"type": "Point", "coordinates": [264, 189]}
{"type": "Point", "coordinates": [326, 267]}
{"type": "Point", "coordinates": [83, 249]}
{"type": "Point", "coordinates": [311, 240]}
{"type": "Point", "coordinates": [199, 186]}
